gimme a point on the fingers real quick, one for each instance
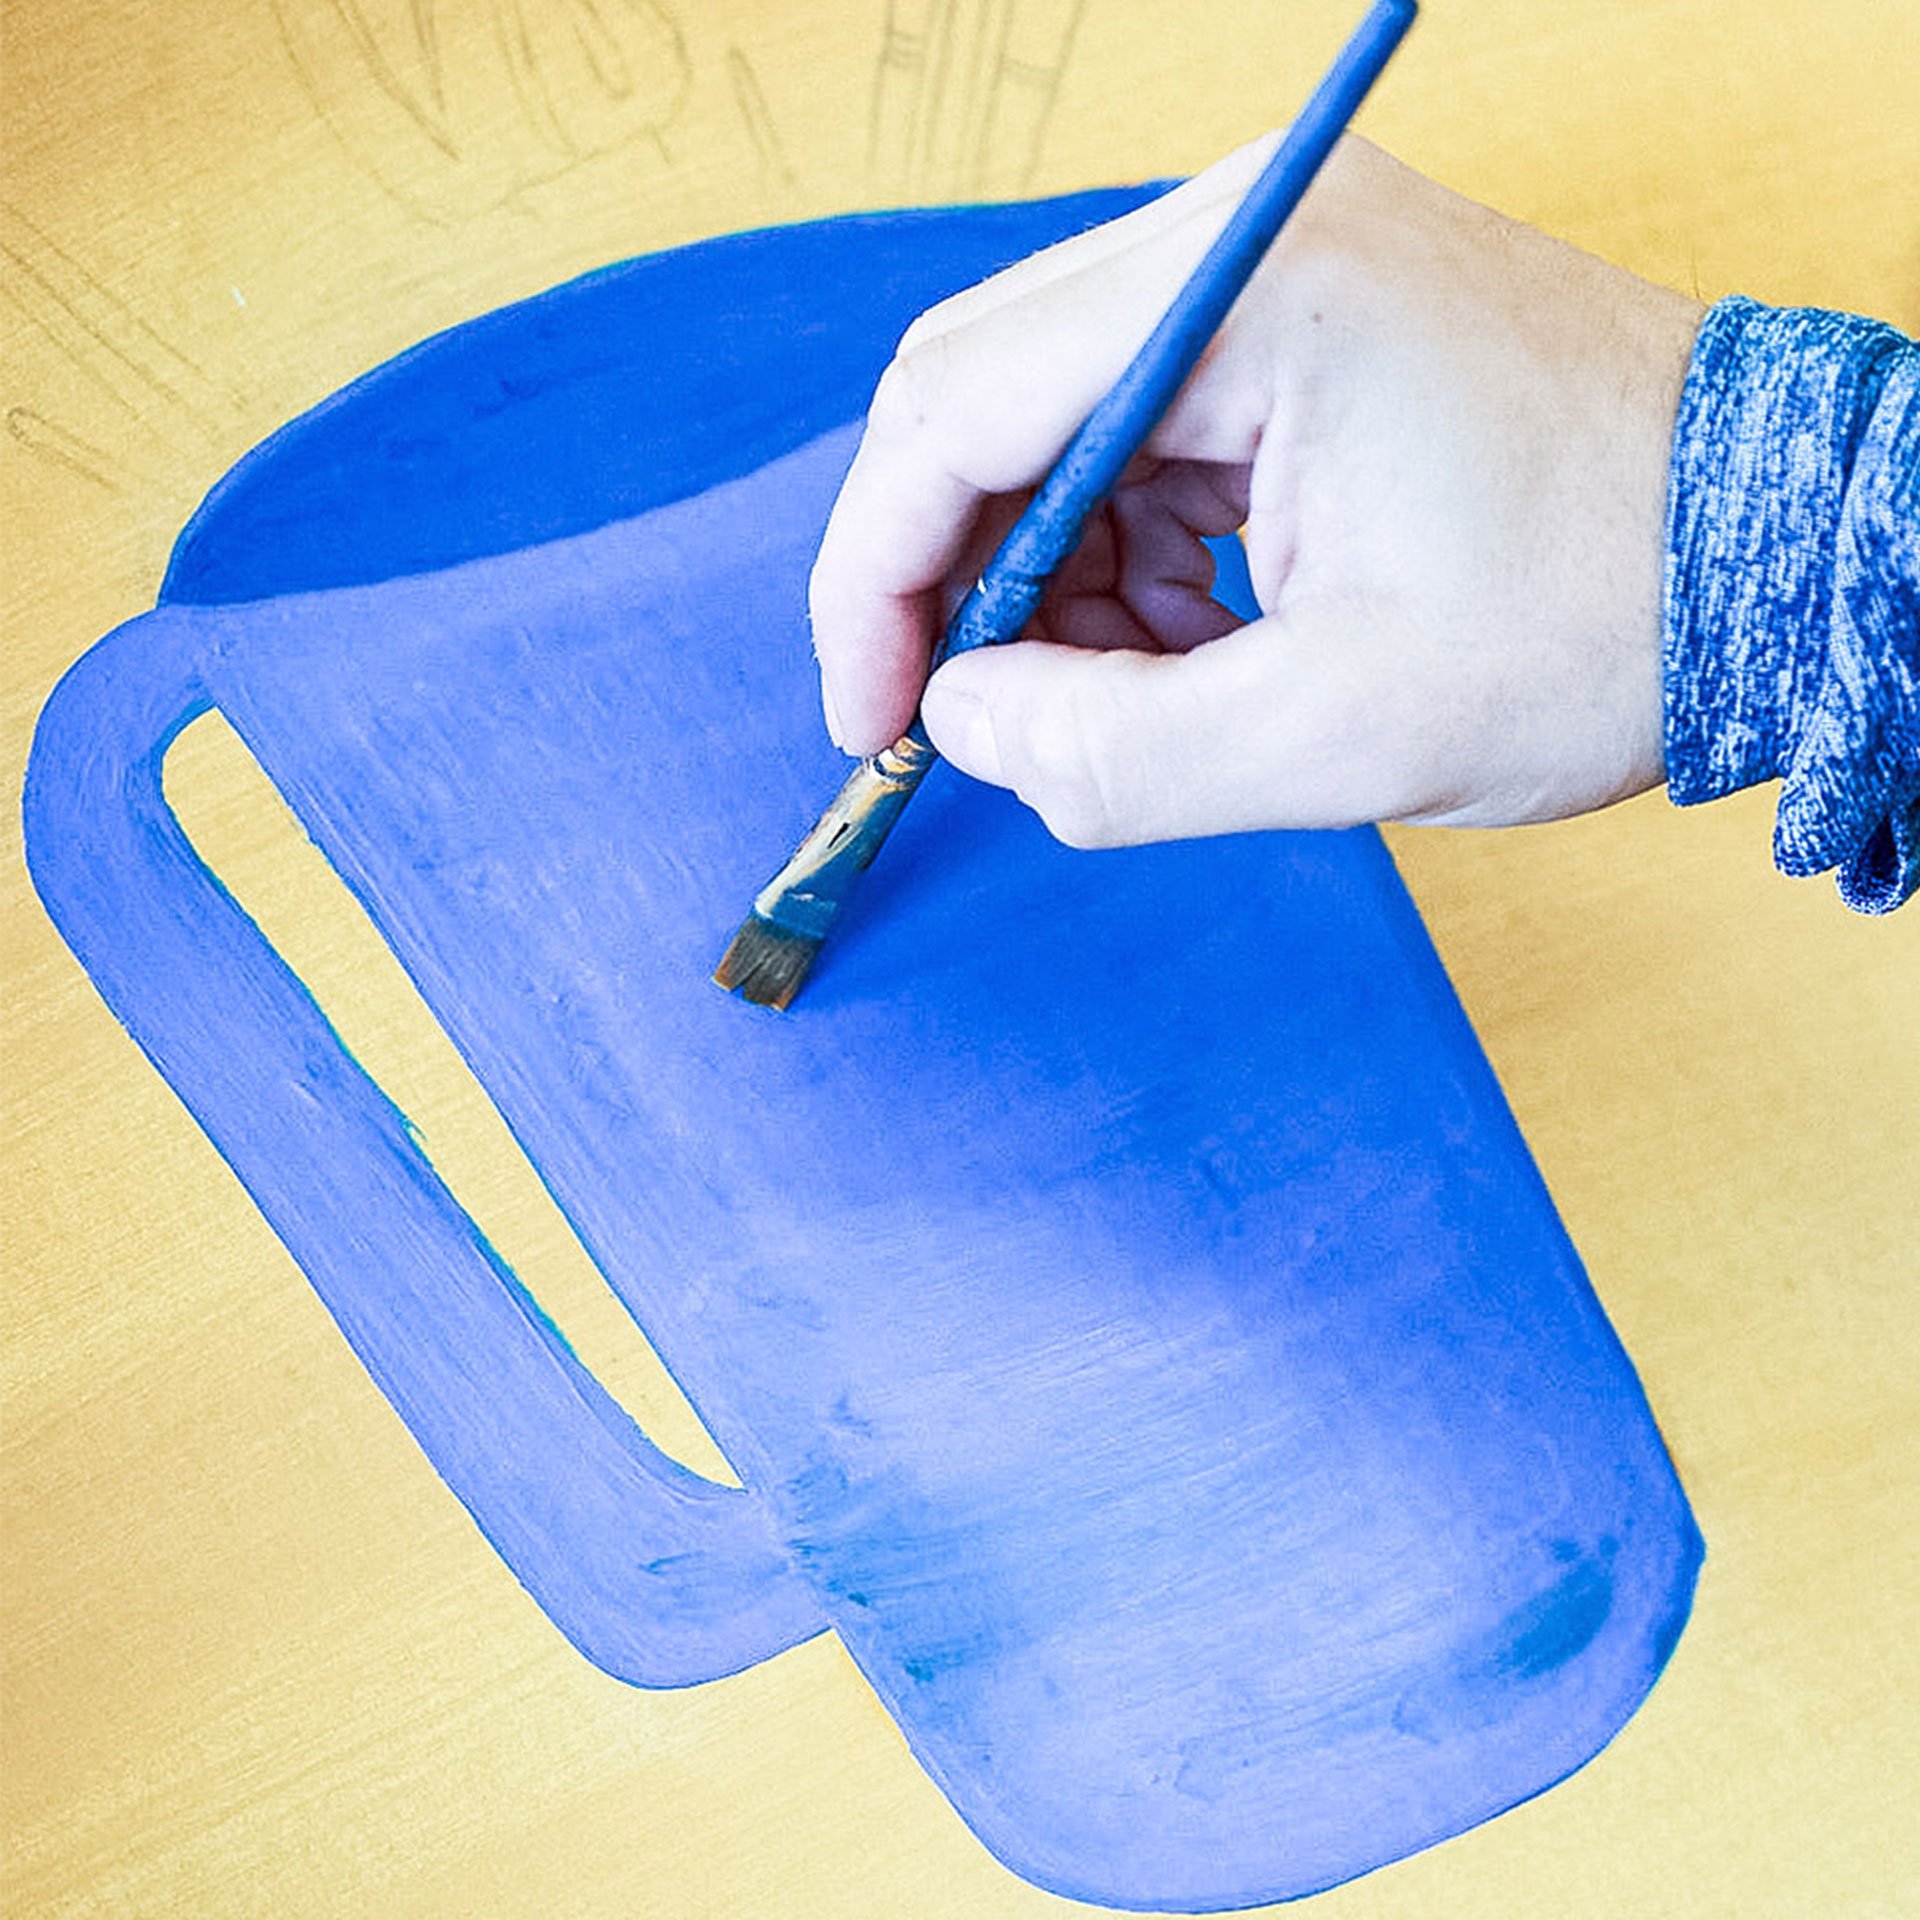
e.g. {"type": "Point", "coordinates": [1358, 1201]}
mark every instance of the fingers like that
{"type": "Point", "coordinates": [894, 535]}
{"type": "Point", "coordinates": [1266, 727]}
{"type": "Point", "coordinates": [984, 392]}
{"type": "Point", "coordinates": [1163, 570]}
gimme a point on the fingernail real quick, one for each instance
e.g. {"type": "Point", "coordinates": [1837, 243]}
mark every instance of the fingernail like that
{"type": "Point", "coordinates": [962, 728]}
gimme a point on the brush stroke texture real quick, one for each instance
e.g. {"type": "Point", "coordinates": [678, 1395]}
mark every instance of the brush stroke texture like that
{"type": "Point", "coordinates": [1121, 1289]}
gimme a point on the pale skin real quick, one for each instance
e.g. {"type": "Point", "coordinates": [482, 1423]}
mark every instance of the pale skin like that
{"type": "Point", "coordinates": [1446, 437]}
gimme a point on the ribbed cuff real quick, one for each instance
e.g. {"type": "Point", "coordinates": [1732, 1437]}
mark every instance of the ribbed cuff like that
{"type": "Point", "coordinates": [1793, 587]}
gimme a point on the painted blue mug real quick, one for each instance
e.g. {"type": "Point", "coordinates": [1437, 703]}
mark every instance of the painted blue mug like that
{"type": "Point", "coordinates": [1128, 1306]}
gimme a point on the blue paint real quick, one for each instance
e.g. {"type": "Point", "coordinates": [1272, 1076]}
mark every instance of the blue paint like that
{"type": "Point", "coordinates": [1550, 1629]}
{"type": "Point", "coordinates": [540, 421]}
{"type": "Point", "coordinates": [1120, 1288]}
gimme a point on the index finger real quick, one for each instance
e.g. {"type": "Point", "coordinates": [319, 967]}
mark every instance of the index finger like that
{"type": "Point", "coordinates": [895, 533]}
{"type": "Point", "coordinates": [984, 392]}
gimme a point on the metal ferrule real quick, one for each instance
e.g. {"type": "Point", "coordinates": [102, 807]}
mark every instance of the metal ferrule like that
{"type": "Point", "coordinates": [805, 894]}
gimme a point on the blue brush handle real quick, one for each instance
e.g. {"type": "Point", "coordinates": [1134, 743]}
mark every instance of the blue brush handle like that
{"type": "Point", "coordinates": [1003, 600]}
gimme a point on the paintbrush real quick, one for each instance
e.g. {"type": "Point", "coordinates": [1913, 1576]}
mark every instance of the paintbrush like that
{"type": "Point", "coordinates": [770, 956]}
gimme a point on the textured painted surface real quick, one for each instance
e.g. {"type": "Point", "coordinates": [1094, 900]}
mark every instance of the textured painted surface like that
{"type": "Point", "coordinates": [1121, 1290]}
{"type": "Point", "coordinates": [1793, 588]}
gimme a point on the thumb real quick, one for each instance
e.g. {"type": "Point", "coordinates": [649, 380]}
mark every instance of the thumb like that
{"type": "Point", "coordinates": [1285, 722]}
{"type": "Point", "coordinates": [1110, 748]}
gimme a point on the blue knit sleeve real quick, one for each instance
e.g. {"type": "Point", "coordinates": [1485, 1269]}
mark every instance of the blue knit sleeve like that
{"type": "Point", "coordinates": [1793, 588]}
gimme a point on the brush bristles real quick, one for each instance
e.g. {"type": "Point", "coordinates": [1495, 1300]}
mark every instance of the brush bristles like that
{"type": "Point", "coordinates": [766, 964]}
{"type": "Point", "coordinates": [770, 957]}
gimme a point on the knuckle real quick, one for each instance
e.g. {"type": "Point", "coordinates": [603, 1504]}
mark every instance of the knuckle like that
{"type": "Point", "coordinates": [930, 324]}
{"type": "Point", "coordinates": [1061, 775]}
{"type": "Point", "coordinates": [907, 399]}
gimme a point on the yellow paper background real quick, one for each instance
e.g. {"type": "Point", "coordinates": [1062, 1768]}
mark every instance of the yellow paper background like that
{"type": "Point", "coordinates": [257, 1660]}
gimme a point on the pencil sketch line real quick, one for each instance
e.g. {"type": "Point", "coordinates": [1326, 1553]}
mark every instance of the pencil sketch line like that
{"type": "Point", "coordinates": [964, 92]}
{"type": "Point", "coordinates": [131, 398]}
{"type": "Point", "coordinates": [39, 435]}
{"type": "Point", "coordinates": [426, 28]}
{"type": "Point", "coordinates": [751, 99]}
{"type": "Point", "coordinates": [381, 70]}
{"type": "Point", "coordinates": [616, 66]}
{"type": "Point", "coordinates": [933, 90]}
{"type": "Point", "coordinates": [358, 151]}
{"type": "Point", "coordinates": [530, 86]}
{"type": "Point", "coordinates": [992, 21]}
{"type": "Point", "coordinates": [982, 156]}
{"type": "Point", "coordinates": [600, 48]}
{"type": "Point", "coordinates": [586, 77]}
{"type": "Point", "coordinates": [899, 86]}
{"type": "Point", "coordinates": [85, 304]}
{"type": "Point", "coordinates": [62, 339]}
{"type": "Point", "coordinates": [1038, 73]}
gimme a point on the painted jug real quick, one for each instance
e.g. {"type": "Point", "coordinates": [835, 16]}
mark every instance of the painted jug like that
{"type": "Point", "coordinates": [1126, 1301]}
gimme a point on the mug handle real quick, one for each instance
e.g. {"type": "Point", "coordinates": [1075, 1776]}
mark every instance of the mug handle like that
{"type": "Point", "coordinates": [658, 1575]}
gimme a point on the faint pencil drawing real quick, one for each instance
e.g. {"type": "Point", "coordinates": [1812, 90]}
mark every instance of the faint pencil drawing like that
{"type": "Point", "coordinates": [411, 88]}
{"type": "Point", "coordinates": [964, 91]}
{"type": "Point", "coordinates": [153, 399]}
{"type": "Point", "coordinates": [591, 77]}
{"type": "Point", "coordinates": [39, 435]}
{"type": "Point", "coordinates": [751, 99]}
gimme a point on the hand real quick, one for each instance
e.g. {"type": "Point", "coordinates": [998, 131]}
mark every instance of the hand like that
{"type": "Point", "coordinates": [1446, 436]}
